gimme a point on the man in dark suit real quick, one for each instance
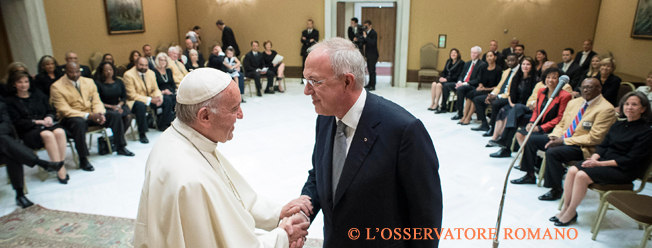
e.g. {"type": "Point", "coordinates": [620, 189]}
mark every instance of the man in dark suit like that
{"type": "Point", "coordinates": [374, 164]}
{"type": "Point", "coordinates": [511, 49]}
{"type": "Point", "coordinates": [493, 47]}
{"type": "Point", "coordinates": [189, 46]}
{"type": "Point", "coordinates": [309, 37]}
{"type": "Point", "coordinates": [355, 34]}
{"type": "Point", "coordinates": [228, 38]}
{"type": "Point", "coordinates": [72, 57]}
{"type": "Point", "coordinates": [370, 40]}
{"type": "Point", "coordinates": [569, 68]}
{"type": "Point", "coordinates": [253, 64]}
{"type": "Point", "coordinates": [147, 53]}
{"type": "Point", "coordinates": [584, 59]}
{"type": "Point", "coordinates": [466, 82]}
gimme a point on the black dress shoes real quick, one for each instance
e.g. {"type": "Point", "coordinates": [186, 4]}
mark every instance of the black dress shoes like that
{"type": "Point", "coordinates": [267, 91]}
{"type": "Point", "coordinates": [456, 117]}
{"type": "Point", "coordinates": [502, 153]}
{"type": "Point", "coordinates": [481, 128]}
{"type": "Point", "coordinates": [441, 110]}
{"type": "Point", "coordinates": [559, 223]}
{"type": "Point", "coordinates": [525, 180]}
{"type": "Point", "coordinates": [65, 180]}
{"type": "Point", "coordinates": [53, 166]}
{"type": "Point", "coordinates": [23, 202]}
{"type": "Point", "coordinates": [553, 194]}
{"type": "Point", "coordinates": [85, 165]}
{"type": "Point", "coordinates": [243, 101]}
{"type": "Point", "coordinates": [491, 143]}
{"type": "Point", "coordinates": [553, 219]}
{"type": "Point", "coordinates": [124, 152]}
{"type": "Point", "coordinates": [143, 138]}
{"type": "Point", "coordinates": [258, 93]}
{"type": "Point", "coordinates": [489, 133]}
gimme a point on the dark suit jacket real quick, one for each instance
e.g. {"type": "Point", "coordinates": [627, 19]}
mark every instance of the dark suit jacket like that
{"type": "Point", "coordinates": [610, 88]}
{"type": "Point", "coordinates": [22, 117]}
{"type": "Point", "coordinates": [6, 128]}
{"type": "Point", "coordinates": [251, 62]}
{"type": "Point", "coordinates": [85, 71]}
{"type": "Point", "coordinates": [573, 73]}
{"type": "Point", "coordinates": [228, 39]}
{"type": "Point", "coordinates": [357, 34]}
{"type": "Point", "coordinates": [216, 62]}
{"type": "Point", "coordinates": [390, 178]}
{"type": "Point", "coordinates": [371, 44]}
{"type": "Point", "coordinates": [506, 52]}
{"type": "Point", "coordinates": [474, 80]}
{"type": "Point", "coordinates": [587, 61]}
{"type": "Point", "coordinates": [306, 43]}
{"type": "Point", "coordinates": [150, 63]}
{"type": "Point", "coordinates": [201, 60]}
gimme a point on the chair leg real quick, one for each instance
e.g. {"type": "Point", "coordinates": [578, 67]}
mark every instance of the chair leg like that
{"type": "Point", "coordinates": [284, 86]}
{"type": "Point", "coordinates": [600, 206]}
{"type": "Point", "coordinates": [646, 236]}
{"type": "Point", "coordinates": [134, 127]}
{"type": "Point", "coordinates": [251, 94]}
{"type": "Point", "coordinates": [108, 142]}
{"type": "Point", "coordinates": [561, 201]}
{"type": "Point", "coordinates": [42, 174]}
{"type": "Point", "coordinates": [600, 217]}
{"type": "Point", "coordinates": [75, 158]}
{"type": "Point", "coordinates": [90, 143]}
{"type": "Point", "coordinates": [542, 170]}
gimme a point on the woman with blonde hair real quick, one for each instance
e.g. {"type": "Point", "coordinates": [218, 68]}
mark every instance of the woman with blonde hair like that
{"type": "Point", "coordinates": [610, 82]}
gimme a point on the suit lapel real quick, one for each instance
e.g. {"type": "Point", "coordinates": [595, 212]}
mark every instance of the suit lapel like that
{"type": "Point", "coordinates": [327, 159]}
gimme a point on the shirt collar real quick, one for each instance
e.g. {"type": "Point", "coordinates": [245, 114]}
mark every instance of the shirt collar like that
{"type": "Point", "coordinates": [352, 117]}
{"type": "Point", "coordinates": [73, 82]}
{"type": "Point", "coordinates": [585, 52]}
{"type": "Point", "coordinates": [592, 101]}
{"type": "Point", "coordinates": [199, 140]}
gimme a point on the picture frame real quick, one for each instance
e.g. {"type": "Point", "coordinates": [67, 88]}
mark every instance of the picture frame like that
{"type": "Point", "coordinates": [442, 41]}
{"type": "Point", "coordinates": [124, 16]}
{"type": "Point", "coordinates": [642, 27]}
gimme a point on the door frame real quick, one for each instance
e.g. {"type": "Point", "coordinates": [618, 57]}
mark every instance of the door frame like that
{"type": "Point", "coordinates": [402, 32]}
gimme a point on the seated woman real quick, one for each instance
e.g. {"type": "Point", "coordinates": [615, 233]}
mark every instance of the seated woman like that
{"type": "Point", "coordinates": [193, 61]}
{"type": "Point", "coordinates": [34, 120]}
{"type": "Point", "coordinates": [452, 71]}
{"type": "Point", "coordinates": [278, 68]}
{"type": "Point", "coordinates": [610, 82]}
{"type": "Point", "coordinates": [489, 78]}
{"type": "Point", "coordinates": [107, 57]}
{"type": "Point", "coordinates": [592, 72]}
{"type": "Point", "coordinates": [113, 93]}
{"type": "Point", "coordinates": [541, 58]}
{"type": "Point", "coordinates": [47, 74]}
{"type": "Point", "coordinates": [133, 57]}
{"type": "Point", "coordinates": [519, 91]}
{"type": "Point", "coordinates": [622, 156]}
{"type": "Point", "coordinates": [164, 78]}
{"type": "Point", "coordinates": [11, 69]}
{"type": "Point", "coordinates": [647, 89]}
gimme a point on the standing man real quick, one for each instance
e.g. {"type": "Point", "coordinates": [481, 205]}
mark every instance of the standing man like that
{"type": "Point", "coordinates": [355, 34]}
{"type": "Point", "coordinates": [511, 49]}
{"type": "Point", "coordinates": [147, 53]}
{"type": "Point", "coordinates": [309, 37]}
{"type": "Point", "coordinates": [370, 40]}
{"type": "Point", "coordinates": [206, 202]}
{"type": "Point", "coordinates": [228, 38]}
{"type": "Point", "coordinates": [374, 164]}
{"type": "Point", "coordinates": [493, 47]}
{"type": "Point", "coordinates": [584, 61]}
{"type": "Point", "coordinates": [570, 68]}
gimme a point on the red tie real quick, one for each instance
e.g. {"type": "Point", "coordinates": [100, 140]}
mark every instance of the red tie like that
{"type": "Point", "coordinates": [468, 75]}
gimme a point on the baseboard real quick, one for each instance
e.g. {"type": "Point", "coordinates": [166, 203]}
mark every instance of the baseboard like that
{"type": "Point", "coordinates": [294, 72]}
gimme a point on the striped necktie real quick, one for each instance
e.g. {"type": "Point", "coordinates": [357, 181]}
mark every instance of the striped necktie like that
{"type": "Point", "coordinates": [578, 118]}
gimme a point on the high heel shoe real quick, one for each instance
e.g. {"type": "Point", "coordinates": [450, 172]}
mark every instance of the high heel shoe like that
{"type": "Point", "coordinates": [553, 219]}
{"type": "Point", "coordinates": [64, 181]}
{"type": "Point", "coordinates": [559, 223]}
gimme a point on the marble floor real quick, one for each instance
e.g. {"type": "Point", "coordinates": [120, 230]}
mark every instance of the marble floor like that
{"type": "Point", "coordinates": [272, 147]}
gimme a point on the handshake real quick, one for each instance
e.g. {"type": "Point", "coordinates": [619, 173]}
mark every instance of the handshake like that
{"type": "Point", "coordinates": [295, 220]}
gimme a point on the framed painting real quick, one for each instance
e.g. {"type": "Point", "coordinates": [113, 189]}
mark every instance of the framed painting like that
{"type": "Point", "coordinates": [124, 16]}
{"type": "Point", "coordinates": [642, 28]}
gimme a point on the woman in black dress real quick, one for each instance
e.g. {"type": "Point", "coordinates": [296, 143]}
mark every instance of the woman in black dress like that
{"type": "Point", "coordinates": [113, 93]}
{"type": "Point", "coordinates": [278, 68]}
{"type": "Point", "coordinates": [610, 82]}
{"type": "Point", "coordinates": [34, 120]}
{"type": "Point", "coordinates": [623, 155]}
{"type": "Point", "coordinates": [164, 78]}
{"type": "Point", "coordinates": [489, 78]}
{"type": "Point", "coordinates": [452, 71]}
{"type": "Point", "coordinates": [133, 57]}
{"type": "Point", "coordinates": [193, 61]}
{"type": "Point", "coordinates": [11, 69]}
{"type": "Point", "coordinates": [47, 74]}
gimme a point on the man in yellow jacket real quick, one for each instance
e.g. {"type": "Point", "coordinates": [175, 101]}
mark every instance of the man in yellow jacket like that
{"type": "Point", "coordinates": [178, 69]}
{"type": "Point", "coordinates": [584, 125]}
{"type": "Point", "coordinates": [79, 106]}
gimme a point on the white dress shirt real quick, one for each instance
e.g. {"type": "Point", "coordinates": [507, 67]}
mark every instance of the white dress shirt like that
{"type": "Point", "coordinates": [585, 54]}
{"type": "Point", "coordinates": [566, 66]}
{"type": "Point", "coordinates": [468, 74]}
{"type": "Point", "coordinates": [149, 99]}
{"type": "Point", "coordinates": [352, 118]}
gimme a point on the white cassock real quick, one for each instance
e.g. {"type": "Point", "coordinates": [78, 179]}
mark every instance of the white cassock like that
{"type": "Point", "coordinates": [187, 203]}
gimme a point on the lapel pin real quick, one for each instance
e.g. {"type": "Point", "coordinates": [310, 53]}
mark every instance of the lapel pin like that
{"type": "Point", "coordinates": [365, 139]}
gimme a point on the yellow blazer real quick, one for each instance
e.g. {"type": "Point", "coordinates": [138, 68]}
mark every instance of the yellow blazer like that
{"type": "Point", "coordinates": [69, 103]}
{"type": "Point", "coordinates": [534, 97]}
{"type": "Point", "coordinates": [600, 115]}
{"type": "Point", "coordinates": [500, 85]}
{"type": "Point", "coordinates": [136, 90]}
{"type": "Point", "coordinates": [178, 71]}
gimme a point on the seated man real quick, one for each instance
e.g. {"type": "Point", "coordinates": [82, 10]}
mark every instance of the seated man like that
{"type": "Point", "coordinates": [497, 98]}
{"type": "Point", "coordinates": [142, 90]}
{"type": "Point", "coordinates": [468, 80]}
{"type": "Point", "coordinates": [570, 69]}
{"type": "Point", "coordinates": [72, 57]}
{"type": "Point", "coordinates": [14, 155]}
{"type": "Point", "coordinates": [585, 123]}
{"type": "Point", "coordinates": [147, 53]}
{"type": "Point", "coordinates": [253, 64]}
{"type": "Point", "coordinates": [189, 46]}
{"type": "Point", "coordinates": [78, 104]}
{"type": "Point", "coordinates": [178, 69]}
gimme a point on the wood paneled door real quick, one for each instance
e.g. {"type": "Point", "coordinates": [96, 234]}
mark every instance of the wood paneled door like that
{"type": "Point", "coordinates": [383, 20]}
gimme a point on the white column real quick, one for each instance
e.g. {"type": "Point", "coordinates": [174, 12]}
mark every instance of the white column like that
{"type": "Point", "coordinates": [27, 31]}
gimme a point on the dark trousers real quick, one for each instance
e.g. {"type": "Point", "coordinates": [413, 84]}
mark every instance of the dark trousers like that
{"type": "Point", "coordinates": [446, 89]}
{"type": "Point", "coordinates": [478, 98]}
{"type": "Point", "coordinates": [126, 117]}
{"type": "Point", "coordinates": [241, 82]}
{"type": "Point", "coordinates": [167, 115]}
{"type": "Point", "coordinates": [554, 158]}
{"type": "Point", "coordinates": [14, 155]}
{"type": "Point", "coordinates": [534, 144]}
{"type": "Point", "coordinates": [461, 95]}
{"type": "Point", "coordinates": [140, 111]}
{"type": "Point", "coordinates": [518, 116]}
{"type": "Point", "coordinates": [496, 105]}
{"type": "Point", "coordinates": [78, 128]}
{"type": "Point", "coordinates": [256, 76]}
{"type": "Point", "coordinates": [371, 67]}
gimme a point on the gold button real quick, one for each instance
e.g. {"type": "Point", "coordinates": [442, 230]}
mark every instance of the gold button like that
{"type": "Point", "coordinates": [365, 139]}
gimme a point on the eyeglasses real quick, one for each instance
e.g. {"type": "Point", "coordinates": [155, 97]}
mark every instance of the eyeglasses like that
{"type": "Point", "coordinates": [313, 82]}
{"type": "Point", "coordinates": [587, 87]}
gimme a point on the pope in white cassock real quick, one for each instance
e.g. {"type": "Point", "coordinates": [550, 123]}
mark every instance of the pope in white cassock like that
{"type": "Point", "coordinates": [192, 196]}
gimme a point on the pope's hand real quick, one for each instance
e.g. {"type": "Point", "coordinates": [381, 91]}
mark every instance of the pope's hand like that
{"type": "Point", "coordinates": [302, 203]}
{"type": "Point", "coordinates": [297, 229]}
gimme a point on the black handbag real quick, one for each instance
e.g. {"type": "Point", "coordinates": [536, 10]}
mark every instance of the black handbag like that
{"type": "Point", "coordinates": [102, 148]}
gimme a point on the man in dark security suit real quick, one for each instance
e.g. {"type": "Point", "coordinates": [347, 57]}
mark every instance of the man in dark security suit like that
{"type": "Point", "coordinates": [370, 41]}
{"type": "Point", "coordinates": [309, 37]}
{"type": "Point", "coordinates": [228, 38]}
{"type": "Point", "coordinates": [374, 164]}
{"type": "Point", "coordinates": [71, 57]}
{"type": "Point", "coordinates": [583, 59]}
{"type": "Point", "coordinates": [355, 34]}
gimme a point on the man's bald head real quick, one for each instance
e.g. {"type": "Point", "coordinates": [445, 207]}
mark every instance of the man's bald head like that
{"type": "Point", "coordinates": [591, 88]}
{"type": "Point", "coordinates": [72, 71]}
{"type": "Point", "coordinates": [71, 57]}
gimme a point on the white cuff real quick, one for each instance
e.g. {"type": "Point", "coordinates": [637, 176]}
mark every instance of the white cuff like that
{"type": "Point", "coordinates": [86, 116]}
{"type": "Point", "coordinates": [149, 100]}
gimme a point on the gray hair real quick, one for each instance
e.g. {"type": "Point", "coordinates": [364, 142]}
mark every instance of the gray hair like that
{"type": "Point", "coordinates": [344, 57]}
{"type": "Point", "coordinates": [193, 51]}
{"type": "Point", "coordinates": [158, 56]}
{"type": "Point", "coordinates": [173, 49]}
{"type": "Point", "coordinates": [477, 49]}
{"type": "Point", "coordinates": [187, 113]}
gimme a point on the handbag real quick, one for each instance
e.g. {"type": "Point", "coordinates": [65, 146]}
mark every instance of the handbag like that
{"type": "Point", "coordinates": [102, 148]}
